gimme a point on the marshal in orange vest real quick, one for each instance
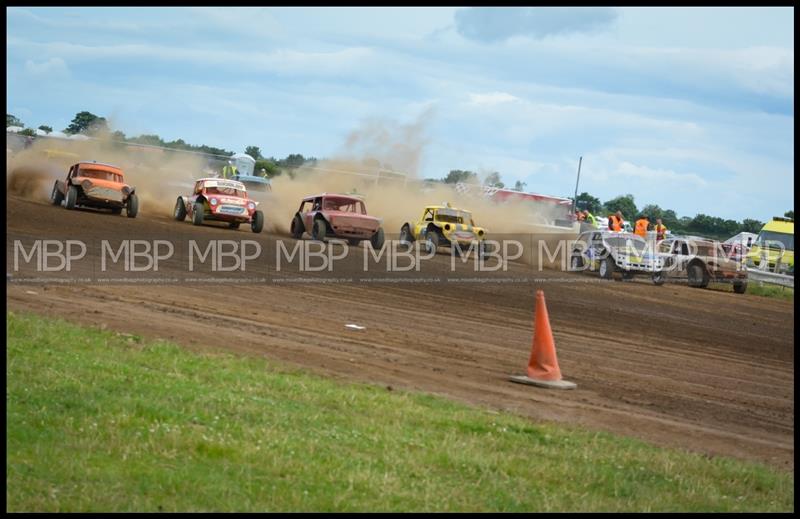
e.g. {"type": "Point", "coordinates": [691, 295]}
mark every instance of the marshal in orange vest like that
{"type": "Point", "coordinates": [641, 227]}
{"type": "Point", "coordinates": [615, 223]}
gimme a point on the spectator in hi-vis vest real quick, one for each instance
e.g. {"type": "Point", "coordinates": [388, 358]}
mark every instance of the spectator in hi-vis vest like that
{"type": "Point", "coordinates": [229, 171]}
{"type": "Point", "coordinates": [641, 226]}
{"type": "Point", "coordinates": [661, 230]}
{"type": "Point", "coordinates": [589, 218]}
{"type": "Point", "coordinates": [615, 222]}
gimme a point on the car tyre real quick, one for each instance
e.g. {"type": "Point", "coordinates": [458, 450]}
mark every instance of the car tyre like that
{"type": "Point", "coordinates": [606, 268]}
{"type": "Point", "coordinates": [320, 229]}
{"type": "Point", "coordinates": [297, 227]}
{"type": "Point", "coordinates": [258, 222]}
{"type": "Point", "coordinates": [233, 225]}
{"type": "Point", "coordinates": [56, 196]}
{"type": "Point", "coordinates": [72, 197]}
{"type": "Point", "coordinates": [698, 277]}
{"type": "Point", "coordinates": [132, 207]}
{"type": "Point", "coordinates": [180, 210]}
{"type": "Point", "coordinates": [377, 239]}
{"type": "Point", "coordinates": [659, 278]}
{"type": "Point", "coordinates": [740, 287]}
{"type": "Point", "coordinates": [405, 235]}
{"type": "Point", "coordinates": [197, 214]}
{"type": "Point", "coordinates": [576, 263]}
{"type": "Point", "coordinates": [432, 241]}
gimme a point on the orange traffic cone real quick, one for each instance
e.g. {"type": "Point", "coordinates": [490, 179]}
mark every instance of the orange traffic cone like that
{"type": "Point", "coordinates": [543, 367]}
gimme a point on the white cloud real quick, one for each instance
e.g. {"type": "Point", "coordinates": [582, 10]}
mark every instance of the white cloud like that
{"type": "Point", "coordinates": [659, 175]}
{"type": "Point", "coordinates": [51, 67]}
{"type": "Point", "coordinates": [282, 60]}
{"type": "Point", "coordinates": [491, 99]}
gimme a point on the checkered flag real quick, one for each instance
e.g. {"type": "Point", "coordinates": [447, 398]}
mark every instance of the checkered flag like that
{"type": "Point", "coordinates": [462, 188]}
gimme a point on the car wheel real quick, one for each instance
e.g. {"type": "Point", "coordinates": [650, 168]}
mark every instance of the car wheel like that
{"type": "Point", "coordinates": [432, 241]}
{"type": "Point", "coordinates": [297, 227]}
{"type": "Point", "coordinates": [659, 278]}
{"type": "Point", "coordinates": [72, 197]}
{"type": "Point", "coordinates": [740, 287]}
{"type": "Point", "coordinates": [576, 263]}
{"type": "Point", "coordinates": [405, 235]}
{"type": "Point", "coordinates": [606, 270]}
{"type": "Point", "coordinates": [132, 207]}
{"type": "Point", "coordinates": [116, 210]}
{"type": "Point", "coordinates": [627, 276]}
{"type": "Point", "coordinates": [353, 242]}
{"type": "Point", "coordinates": [197, 214]}
{"type": "Point", "coordinates": [377, 239]}
{"type": "Point", "coordinates": [320, 228]}
{"type": "Point", "coordinates": [180, 210]}
{"type": "Point", "coordinates": [233, 225]}
{"type": "Point", "coordinates": [698, 277]}
{"type": "Point", "coordinates": [258, 222]}
{"type": "Point", "coordinates": [56, 196]}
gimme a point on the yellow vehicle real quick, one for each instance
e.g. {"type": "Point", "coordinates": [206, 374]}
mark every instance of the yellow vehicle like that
{"type": "Point", "coordinates": [443, 225]}
{"type": "Point", "coordinates": [775, 245]}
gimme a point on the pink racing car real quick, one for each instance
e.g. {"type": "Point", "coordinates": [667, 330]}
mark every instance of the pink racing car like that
{"type": "Point", "coordinates": [337, 216]}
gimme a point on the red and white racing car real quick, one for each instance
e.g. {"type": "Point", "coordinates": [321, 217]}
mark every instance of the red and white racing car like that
{"type": "Point", "coordinates": [220, 200]}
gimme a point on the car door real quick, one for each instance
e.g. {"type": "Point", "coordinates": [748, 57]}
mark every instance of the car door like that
{"type": "Point", "coordinates": [422, 225]}
{"type": "Point", "coordinates": [680, 251]}
{"type": "Point", "coordinates": [596, 249]}
{"type": "Point", "coordinates": [198, 188]}
{"type": "Point", "coordinates": [309, 214]}
{"type": "Point", "coordinates": [581, 245]}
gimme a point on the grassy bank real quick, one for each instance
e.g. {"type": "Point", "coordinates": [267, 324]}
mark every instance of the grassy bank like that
{"type": "Point", "coordinates": [765, 290]}
{"type": "Point", "coordinates": [100, 421]}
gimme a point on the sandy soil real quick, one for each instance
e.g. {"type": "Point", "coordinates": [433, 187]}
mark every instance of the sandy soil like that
{"type": "Point", "coordinates": [705, 370]}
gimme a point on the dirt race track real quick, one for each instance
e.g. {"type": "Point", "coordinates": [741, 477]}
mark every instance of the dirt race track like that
{"type": "Point", "coordinates": [705, 370]}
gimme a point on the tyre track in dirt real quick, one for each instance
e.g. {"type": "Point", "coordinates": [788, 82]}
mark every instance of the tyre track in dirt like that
{"type": "Point", "coordinates": [704, 370]}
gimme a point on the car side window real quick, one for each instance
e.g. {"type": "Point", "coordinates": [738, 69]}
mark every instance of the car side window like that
{"type": "Point", "coordinates": [317, 204]}
{"type": "Point", "coordinates": [304, 205]}
{"type": "Point", "coordinates": [198, 187]}
{"type": "Point", "coordinates": [428, 217]}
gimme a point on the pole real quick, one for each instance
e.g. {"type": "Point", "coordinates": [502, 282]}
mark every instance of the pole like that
{"type": "Point", "coordinates": [575, 200]}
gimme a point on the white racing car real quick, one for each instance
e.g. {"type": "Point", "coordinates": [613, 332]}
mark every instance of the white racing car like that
{"type": "Point", "coordinates": [609, 252]}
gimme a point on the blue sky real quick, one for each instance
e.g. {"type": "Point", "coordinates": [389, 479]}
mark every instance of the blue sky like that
{"type": "Point", "coordinates": [689, 108]}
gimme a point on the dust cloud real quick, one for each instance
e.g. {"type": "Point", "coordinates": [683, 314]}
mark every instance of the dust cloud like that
{"type": "Point", "coordinates": [379, 161]}
{"type": "Point", "coordinates": [158, 175]}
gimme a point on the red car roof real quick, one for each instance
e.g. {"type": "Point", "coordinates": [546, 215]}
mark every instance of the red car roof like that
{"type": "Point", "coordinates": [333, 195]}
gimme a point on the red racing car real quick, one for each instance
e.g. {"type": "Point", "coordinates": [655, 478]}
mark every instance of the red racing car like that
{"type": "Point", "coordinates": [220, 200]}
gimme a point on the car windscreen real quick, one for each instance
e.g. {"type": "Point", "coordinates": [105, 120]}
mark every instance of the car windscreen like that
{"type": "Point", "coordinates": [665, 247]}
{"type": "Point", "coordinates": [771, 236]}
{"type": "Point", "coordinates": [100, 174]}
{"type": "Point", "coordinates": [344, 205]}
{"type": "Point", "coordinates": [227, 191]}
{"type": "Point", "coordinates": [450, 216]}
{"type": "Point", "coordinates": [258, 187]}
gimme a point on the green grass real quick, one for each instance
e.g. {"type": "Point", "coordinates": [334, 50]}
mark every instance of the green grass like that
{"type": "Point", "coordinates": [753, 288]}
{"type": "Point", "coordinates": [765, 290]}
{"type": "Point", "coordinates": [99, 421]}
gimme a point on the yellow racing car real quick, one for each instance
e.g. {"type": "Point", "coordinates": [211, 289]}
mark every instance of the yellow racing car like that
{"type": "Point", "coordinates": [442, 226]}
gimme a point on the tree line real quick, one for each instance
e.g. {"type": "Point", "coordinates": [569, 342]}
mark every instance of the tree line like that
{"type": "Point", "coordinates": [700, 224]}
